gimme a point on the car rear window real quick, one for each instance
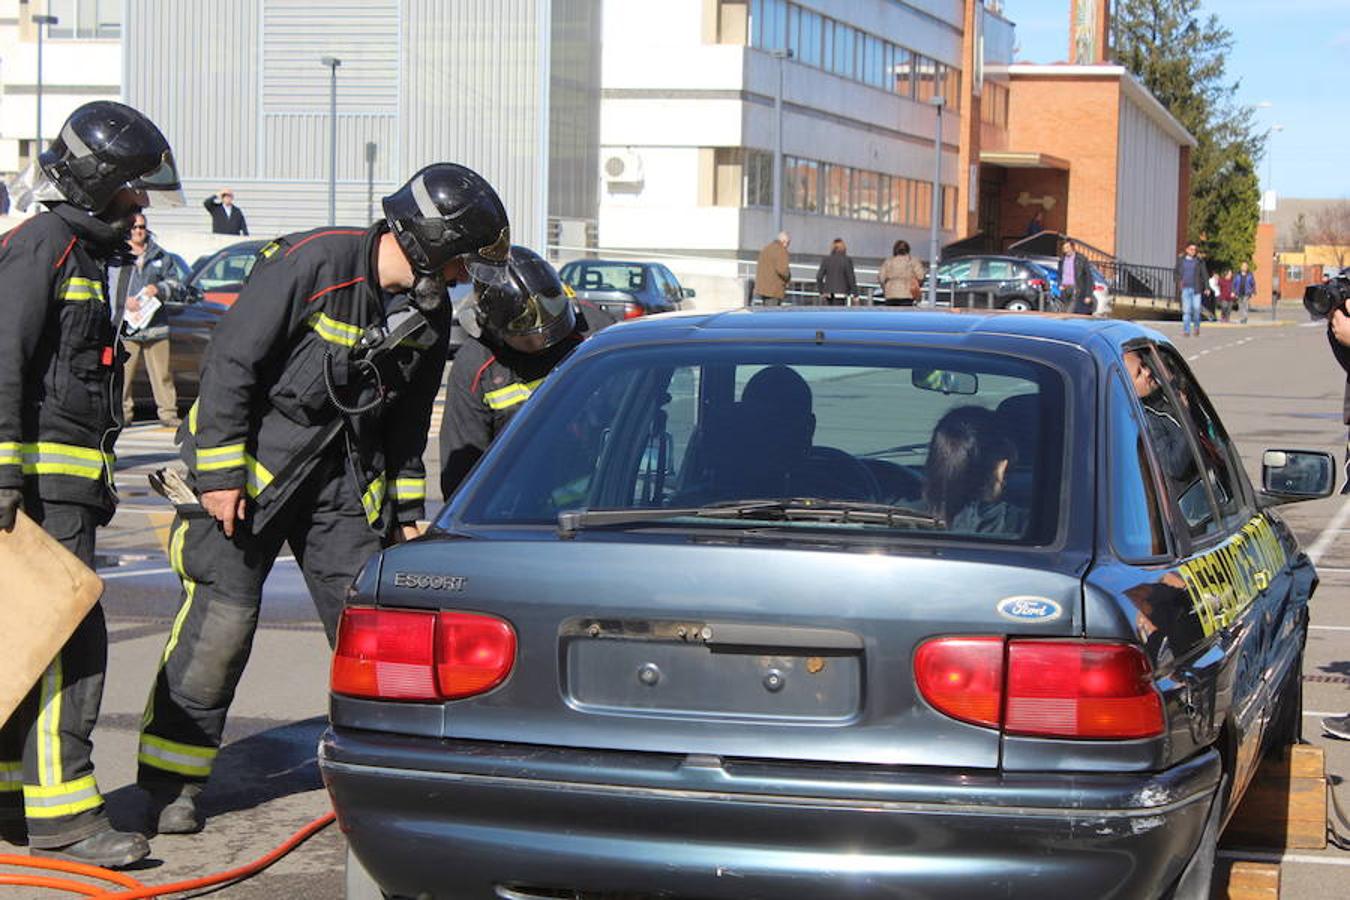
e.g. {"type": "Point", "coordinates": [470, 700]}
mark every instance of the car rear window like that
{"type": "Point", "coordinates": [969, 442]}
{"type": "Point", "coordinates": [605, 276]}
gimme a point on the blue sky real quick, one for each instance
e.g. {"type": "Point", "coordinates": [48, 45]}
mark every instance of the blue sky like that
{"type": "Point", "coordinates": [1293, 53]}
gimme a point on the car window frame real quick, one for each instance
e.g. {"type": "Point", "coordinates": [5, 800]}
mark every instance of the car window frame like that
{"type": "Point", "coordinates": [1188, 545]}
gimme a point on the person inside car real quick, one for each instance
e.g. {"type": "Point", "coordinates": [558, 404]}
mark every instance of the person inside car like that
{"type": "Point", "coordinates": [772, 454]}
{"type": "Point", "coordinates": [966, 473]}
{"type": "Point", "coordinates": [1164, 429]}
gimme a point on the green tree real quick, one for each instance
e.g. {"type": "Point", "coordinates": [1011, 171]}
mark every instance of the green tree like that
{"type": "Point", "coordinates": [1179, 55]}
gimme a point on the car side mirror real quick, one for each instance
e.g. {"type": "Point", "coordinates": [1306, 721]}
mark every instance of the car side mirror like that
{"type": "Point", "coordinates": [688, 293]}
{"type": "Point", "coordinates": [1288, 476]}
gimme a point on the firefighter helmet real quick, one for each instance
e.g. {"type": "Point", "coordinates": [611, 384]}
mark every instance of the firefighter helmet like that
{"type": "Point", "coordinates": [530, 309]}
{"type": "Point", "coordinates": [447, 211]}
{"type": "Point", "coordinates": [104, 147]}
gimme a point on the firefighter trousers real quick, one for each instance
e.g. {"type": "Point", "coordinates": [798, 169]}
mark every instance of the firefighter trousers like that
{"type": "Point", "coordinates": [46, 774]}
{"type": "Point", "coordinates": [325, 525]}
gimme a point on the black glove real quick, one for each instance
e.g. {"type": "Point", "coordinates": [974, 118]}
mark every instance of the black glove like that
{"type": "Point", "coordinates": [10, 501]}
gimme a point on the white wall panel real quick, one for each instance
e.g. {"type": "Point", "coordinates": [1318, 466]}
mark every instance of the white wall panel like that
{"type": "Point", "coordinates": [1147, 189]}
{"type": "Point", "coordinates": [363, 34]}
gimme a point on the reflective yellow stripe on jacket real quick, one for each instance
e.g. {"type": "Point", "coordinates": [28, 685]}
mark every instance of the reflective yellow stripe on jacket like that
{"type": "Point", "coordinates": [409, 489]}
{"type": "Point", "coordinates": [51, 458]}
{"type": "Point", "coordinates": [512, 394]}
{"type": "Point", "coordinates": [333, 331]}
{"type": "Point", "coordinates": [78, 289]}
{"type": "Point", "coordinates": [213, 459]}
{"type": "Point", "coordinates": [373, 499]}
{"type": "Point", "coordinates": [258, 476]}
{"type": "Point", "coordinates": [11, 776]}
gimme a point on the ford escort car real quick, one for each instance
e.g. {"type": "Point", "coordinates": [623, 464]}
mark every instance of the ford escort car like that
{"type": "Point", "coordinates": [829, 603]}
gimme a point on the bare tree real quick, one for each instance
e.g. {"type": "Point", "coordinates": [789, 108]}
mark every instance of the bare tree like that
{"type": "Point", "coordinates": [1331, 229]}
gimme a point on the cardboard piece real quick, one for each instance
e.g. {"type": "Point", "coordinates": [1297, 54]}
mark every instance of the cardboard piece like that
{"type": "Point", "coordinates": [45, 592]}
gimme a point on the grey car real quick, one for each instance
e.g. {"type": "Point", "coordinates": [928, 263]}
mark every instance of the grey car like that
{"type": "Point", "coordinates": [829, 603]}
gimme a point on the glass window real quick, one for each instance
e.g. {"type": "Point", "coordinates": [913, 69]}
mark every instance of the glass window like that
{"type": "Point", "coordinates": [952, 91]}
{"type": "Point", "coordinates": [228, 269]}
{"type": "Point", "coordinates": [922, 208]}
{"type": "Point", "coordinates": [695, 424]}
{"type": "Point", "coordinates": [866, 195]}
{"type": "Point", "coordinates": [794, 27]}
{"type": "Point", "coordinates": [85, 19]}
{"type": "Point", "coordinates": [604, 276]}
{"type": "Point", "coordinates": [1137, 529]}
{"type": "Point", "coordinates": [1000, 269]}
{"type": "Point", "coordinates": [957, 271]}
{"type": "Point", "coordinates": [802, 177]}
{"type": "Point", "coordinates": [827, 45]}
{"type": "Point", "coordinates": [757, 23]}
{"type": "Point", "coordinates": [843, 51]}
{"type": "Point", "coordinates": [886, 201]}
{"type": "Point", "coordinates": [925, 71]}
{"type": "Point", "coordinates": [810, 39]}
{"type": "Point", "coordinates": [903, 72]}
{"type": "Point", "coordinates": [758, 178]}
{"type": "Point", "coordinates": [838, 201]}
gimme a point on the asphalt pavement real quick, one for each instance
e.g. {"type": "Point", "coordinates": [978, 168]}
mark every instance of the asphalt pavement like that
{"type": "Point", "coordinates": [1275, 386]}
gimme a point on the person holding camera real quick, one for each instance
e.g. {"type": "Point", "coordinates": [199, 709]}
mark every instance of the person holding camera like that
{"type": "Point", "coordinates": [1338, 335]}
{"type": "Point", "coordinates": [313, 414]}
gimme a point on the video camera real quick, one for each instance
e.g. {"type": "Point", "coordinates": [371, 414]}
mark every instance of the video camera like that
{"type": "Point", "coordinates": [1321, 299]}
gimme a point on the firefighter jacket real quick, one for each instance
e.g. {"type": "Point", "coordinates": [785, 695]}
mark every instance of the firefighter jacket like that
{"type": "Point", "coordinates": [288, 344]}
{"type": "Point", "coordinates": [488, 384]}
{"type": "Point", "coordinates": [59, 366]}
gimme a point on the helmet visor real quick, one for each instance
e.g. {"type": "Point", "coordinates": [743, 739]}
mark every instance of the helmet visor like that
{"type": "Point", "coordinates": [161, 185]}
{"type": "Point", "coordinates": [486, 274]}
{"type": "Point", "coordinates": [539, 314]}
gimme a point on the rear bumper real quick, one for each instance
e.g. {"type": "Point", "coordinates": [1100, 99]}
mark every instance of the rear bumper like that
{"type": "Point", "coordinates": [464, 819]}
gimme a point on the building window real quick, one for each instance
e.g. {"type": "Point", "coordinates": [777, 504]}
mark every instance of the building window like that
{"type": "Point", "coordinates": [866, 196]}
{"type": "Point", "coordinates": [948, 208]}
{"type": "Point", "coordinates": [758, 178]}
{"type": "Point", "coordinates": [801, 184]}
{"type": "Point", "coordinates": [838, 199]}
{"type": "Point", "coordinates": [922, 209]}
{"type": "Point", "coordinates": [85, 19]}
{"type": "Point", "coordinates": [994, 104]}
{"type": "Point", "coordinates": [902, 73]}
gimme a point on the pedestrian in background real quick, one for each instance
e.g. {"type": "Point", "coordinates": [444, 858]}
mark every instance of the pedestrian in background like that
{"type": "Point", "coordinates": [1192, 279]}
{"type": "Point", "coordinates": [1223, 293]}
{"type": "Point", "coordinates": [226, 218]}
{"type": "Point", "coordinates": [835, 279]}
{"type": "Point", "coordinates": [1338, 335]}
{"type": "Point", "coordinates": [150, 277]}
{"type": "Point", "coordinates": [773, 272]}
{"type": "Point", "coordinates": [901, 277]}
{"type": "Point", "coordinates": [1075, 280]}
{"type": "Point", "coordinates": [1244, 286]}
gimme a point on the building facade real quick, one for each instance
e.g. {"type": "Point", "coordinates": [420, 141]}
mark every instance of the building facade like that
{"type": "Point", "coordinates": [690, 124]}
{"type": "Point", "coordinates": [81, 61]}
{"type": "Point", "coordinates": [240, 90]}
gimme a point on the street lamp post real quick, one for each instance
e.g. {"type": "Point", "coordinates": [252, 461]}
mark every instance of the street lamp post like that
{"type": "Point", "coordinates": [332, 62]}
{"type": "Point", "coordinates": [781, 56]}
{"type": "Point", "coordinates": [1270, 186]}
{"type": "Point", "coordinates": [938, 103]}
{"type": "Point", "coordinates": [40, 21]}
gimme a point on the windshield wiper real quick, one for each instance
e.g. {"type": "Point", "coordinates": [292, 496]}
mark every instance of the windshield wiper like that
{"type": "Point", "coordinates": [787, 509]}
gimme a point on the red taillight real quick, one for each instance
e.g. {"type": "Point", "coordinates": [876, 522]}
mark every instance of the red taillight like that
{"type": "Point", "coordinates": [632, 311]}
{"type": "Point", "coordinates": [391, 654]}
{"type": "Point", "coordinates": [962, 677]}
{"type": "Point", "coordinates": [474, 653]}
{"type": "Point", "coordinates": [1042, 688]}
{"type": "Point", "coordinates": [1078, 690]}
{"type": "Point", "coordinates": [1037, 283]}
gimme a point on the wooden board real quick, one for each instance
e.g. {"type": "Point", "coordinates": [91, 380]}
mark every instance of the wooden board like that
{"type": "Point", "coordinates": [1286, 805]}
{"type": "Point", "coordinates": [45, 592]}
{"type": "Point", "coordinates": [1244, 880]}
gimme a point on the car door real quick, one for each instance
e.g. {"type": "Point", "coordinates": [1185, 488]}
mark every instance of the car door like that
{"type": "Point", "coordinates": [1200, 571]}
{"type": "Point", "coordinates": [954, 282]}
{"type": "Point", "coordinates": [998, 281]}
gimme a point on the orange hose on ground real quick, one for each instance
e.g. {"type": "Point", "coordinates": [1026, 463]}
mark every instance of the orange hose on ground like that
{"type": "Point", "coordinates": [235, 874]}
{"type": "Point", "coordinates": [70, 868]}
{"type": "Point", "coordinates": [53, 884]}
{"type": "Point", "coordinates": [137, 889]}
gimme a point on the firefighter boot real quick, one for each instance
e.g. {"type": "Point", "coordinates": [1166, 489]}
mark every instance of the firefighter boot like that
{"type": "Point", "coordinates": [175, 808]}
{"type": "Point", "coordinates": [109, 849]}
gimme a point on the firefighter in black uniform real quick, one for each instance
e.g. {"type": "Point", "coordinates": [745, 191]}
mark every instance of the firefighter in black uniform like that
{"type": "Point", "coordinates": [60, 394]}
{"type": "Point", "coordinates": [306, 434]}
{"type": "Point", "coordinates": [523, 327]}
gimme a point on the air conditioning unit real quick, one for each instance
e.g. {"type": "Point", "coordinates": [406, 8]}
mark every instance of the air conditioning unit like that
{"type": "Point", "coordinates": [621, 167]}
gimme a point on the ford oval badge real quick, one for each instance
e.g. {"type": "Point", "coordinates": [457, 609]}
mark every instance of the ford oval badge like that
{"type": "Point", "coordinates": [1029, 609]}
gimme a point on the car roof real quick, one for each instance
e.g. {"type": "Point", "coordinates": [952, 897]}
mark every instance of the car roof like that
{"type": "Point", "coordinates": [799, 323]}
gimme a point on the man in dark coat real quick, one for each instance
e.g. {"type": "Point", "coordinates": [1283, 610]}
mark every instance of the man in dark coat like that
{"type": "Point", "coordinates": [835, 279]}
{"type": "Point", "coordinates": [226, 218]}
{"type": "Point", "coordinates": [1075, 280]}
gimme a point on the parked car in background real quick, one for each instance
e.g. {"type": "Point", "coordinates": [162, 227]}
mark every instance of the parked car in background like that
{"type": "Point", "coordinates": [625, 290]}
{"type": "Point", "coordinates": [219, 276]}
{"type": "Point", "coordinates": [708, 621]}
{"type": "Point", "coordinates": [212, 285]}
{"type": "Point", "coordinates": [991, 282]}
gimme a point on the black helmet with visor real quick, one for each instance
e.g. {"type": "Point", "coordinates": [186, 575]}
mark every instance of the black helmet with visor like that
{"type": "Point", "coordinates": [103, 148]}
{"type": "Point", "coordinates": [447, 211]}
{"type": "Point", "coordinates": [530, 309]}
